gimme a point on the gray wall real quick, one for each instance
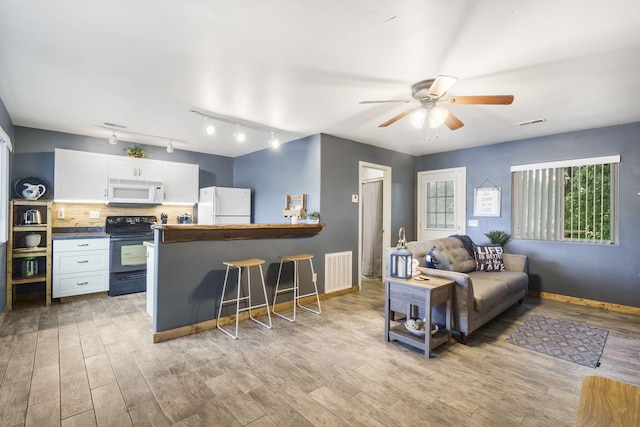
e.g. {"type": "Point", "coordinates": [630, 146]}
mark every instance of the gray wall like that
{"type": "Point", "coordinates": [34, 155]}
{"type": "Point", "coordinates": [294, 168]}
{"type": "Point", "coordinates": [7, 125]}
{"type": "Point", "coordinates": [339, 180]}
{"type": "Point", "coordinates": [325, 167]}
{"type": "Point", "coordinates": [607, 273]}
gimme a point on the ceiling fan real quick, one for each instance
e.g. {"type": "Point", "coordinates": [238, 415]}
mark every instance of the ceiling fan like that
{"type": "Point", "coordinates": [431, 96]}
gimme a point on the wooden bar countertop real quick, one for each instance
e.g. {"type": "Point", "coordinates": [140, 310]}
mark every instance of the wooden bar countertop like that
{"type": "Point", "coordinates": [174, 233]}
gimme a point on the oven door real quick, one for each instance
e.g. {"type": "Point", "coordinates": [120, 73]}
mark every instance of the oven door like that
{"type": "Point", "coordinates": [128, 253]}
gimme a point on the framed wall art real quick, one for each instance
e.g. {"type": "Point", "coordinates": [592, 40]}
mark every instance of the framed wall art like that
{"type": "Point", "coordinates": [487, 201]}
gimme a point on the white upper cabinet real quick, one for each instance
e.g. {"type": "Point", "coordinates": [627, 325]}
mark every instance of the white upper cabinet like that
{"type": "Point", "coordinates": [80, 176]}
{"type": "Point", "coordinates": [180, 181]}
{"type": "Point", "coordinates": [130, 168]}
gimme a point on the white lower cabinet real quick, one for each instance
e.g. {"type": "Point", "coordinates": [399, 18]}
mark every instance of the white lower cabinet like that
{"type": "Point", "coordinates": [80, 266]}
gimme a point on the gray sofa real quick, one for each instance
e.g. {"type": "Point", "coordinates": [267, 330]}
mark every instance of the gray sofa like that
{"type": "Point", "coordinates": [479, 296]}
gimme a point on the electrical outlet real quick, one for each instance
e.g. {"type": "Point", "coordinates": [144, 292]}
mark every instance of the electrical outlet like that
{"type": "Point", "coordinates": [354, 198]}
{"type": "Point", "coordinates": [473, 223]}
{"type": "Point", "coordinates": [61, 213]}
{"type": "Point", "coordinates": [94, 214]}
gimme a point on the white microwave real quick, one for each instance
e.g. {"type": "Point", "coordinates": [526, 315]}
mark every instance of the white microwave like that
{"type": "Point", "coordinates": [135, 193]}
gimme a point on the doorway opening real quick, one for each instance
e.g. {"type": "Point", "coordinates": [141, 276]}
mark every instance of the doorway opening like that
{"type": "Point", "coordinates": [374, 220]}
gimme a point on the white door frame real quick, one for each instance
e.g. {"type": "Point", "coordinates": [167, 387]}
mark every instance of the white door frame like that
{"type": "Point", "coordinates": [459, 175]}
{"type": "Point", "coordinates": [386, 212]}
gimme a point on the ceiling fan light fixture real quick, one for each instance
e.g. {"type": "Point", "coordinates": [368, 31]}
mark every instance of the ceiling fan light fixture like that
{"type": "Point", "coordinates": [418, 117]}
{"type": "Point", "coordinates": [113, 139]}
{"type": "Point", "coordinates": [437, 116]}
{"type": "Point", "coordinates": [240, 136]}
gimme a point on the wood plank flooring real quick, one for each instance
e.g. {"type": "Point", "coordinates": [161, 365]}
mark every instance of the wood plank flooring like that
{"type": "Point", "coordinates": [92, 363]}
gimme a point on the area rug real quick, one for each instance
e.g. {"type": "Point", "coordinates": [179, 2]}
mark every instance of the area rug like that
{"type": "Point", "coordinates": [565, 340]}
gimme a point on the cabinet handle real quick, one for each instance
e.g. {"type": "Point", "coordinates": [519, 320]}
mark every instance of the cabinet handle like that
{"type": "Point", "coordinates": [139, 172]}
{"type": "Point", "coordinates": [135, 172]}
{"type": "Point", "coordinates": [83, 261]}
{"type": "Point", "coordinates": [82, 244]}
{"type": "Point", "coordinates": [82, 283]}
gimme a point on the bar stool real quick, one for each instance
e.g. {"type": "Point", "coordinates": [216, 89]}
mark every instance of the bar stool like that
{"type": "Point", "coordinates": [296, 285]}
{"type": "Point", "coordinates": [247, 263]}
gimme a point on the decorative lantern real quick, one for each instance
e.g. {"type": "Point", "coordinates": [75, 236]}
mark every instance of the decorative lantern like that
{"type": "Point", "coordinates": [401, 258]}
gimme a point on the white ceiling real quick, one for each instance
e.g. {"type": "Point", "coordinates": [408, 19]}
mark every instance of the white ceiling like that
{"type": "Point", "coordinates": [302, 67]}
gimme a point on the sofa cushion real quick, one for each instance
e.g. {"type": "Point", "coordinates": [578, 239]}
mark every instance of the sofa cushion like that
{"type": "Point", "coordinates": [459, 258]}
{"type": "Point", "coordinates": [419, 250]}
{"type": "Point", "coordinates": [439, 261]}
{"type": "Point", "coordinates": [491, 288]}
{"type": "Point", "coordinates": [489, 258]}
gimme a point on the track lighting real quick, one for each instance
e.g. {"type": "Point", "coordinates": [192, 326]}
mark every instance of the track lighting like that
{"type": "Point", "coordinates": [240, 136]}
{"type": "Point", "coordinates": [208, 127]}
{"type": "Point", "coordinates": [170, 147]}
{"type": "Point", "coordinates": [274, 141]}
{"type": "Point", "coordinates": [113, 139]}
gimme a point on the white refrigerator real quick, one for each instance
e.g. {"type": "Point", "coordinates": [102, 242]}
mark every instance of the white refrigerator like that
{"type": "Point", "coordinates": [224, 206]}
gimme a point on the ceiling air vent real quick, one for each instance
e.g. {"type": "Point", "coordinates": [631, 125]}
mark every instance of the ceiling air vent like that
{"type": "Point", "coordinates": [531, 122]}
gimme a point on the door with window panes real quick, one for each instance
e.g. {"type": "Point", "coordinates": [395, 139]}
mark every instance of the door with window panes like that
{"type": "Point", "coordinates": [441, 203]}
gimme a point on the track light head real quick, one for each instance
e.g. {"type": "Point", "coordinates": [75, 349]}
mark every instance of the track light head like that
{"type": "Point", "coordinates": [240, 136]}
{"type": "Point", "coordinates": [209, 128]}
{"type": "Point", "coordinates": [274, 141]}
{"type": "Point", "coordinates": [113, 139]}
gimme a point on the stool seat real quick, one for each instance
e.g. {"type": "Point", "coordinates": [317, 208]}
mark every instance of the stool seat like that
{"type": "Point", "coordinates": [295, 287]}
{"type": "Point", "coordinates": [247, 300]}
{"type": "Point", "coordinates": [297, 257]}
{"type": "Point", "coordinates": [252, 262]}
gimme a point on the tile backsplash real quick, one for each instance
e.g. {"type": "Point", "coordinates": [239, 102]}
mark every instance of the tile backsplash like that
{"type": "Point", "coordinates": [78, 214]}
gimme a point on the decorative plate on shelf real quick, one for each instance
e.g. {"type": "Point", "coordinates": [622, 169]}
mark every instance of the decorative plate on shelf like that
{"type": "Point", "coordinates": [30, 188]}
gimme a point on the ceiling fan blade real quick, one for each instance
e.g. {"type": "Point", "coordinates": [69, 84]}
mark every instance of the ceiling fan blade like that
{"type": "Point", "coordinates": [396, 118]}
{"type": "Point", "coordinates": [383, 102]}
{"type": "Point", "coordinates": [483, 99]}
{"type": "Point", "coordinates": [453, 122]}
{"type": "Point", "coordinates": [441, 85]}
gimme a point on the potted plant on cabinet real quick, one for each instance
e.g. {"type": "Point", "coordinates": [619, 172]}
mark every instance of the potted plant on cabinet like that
{"type": "Point", "coordinates": [135, 151]}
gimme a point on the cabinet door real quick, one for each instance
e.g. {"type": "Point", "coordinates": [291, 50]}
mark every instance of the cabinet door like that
{"type": "Point", "coordinates": [128, 168]}
{"type": "Point", "coordinates": [80, 176]}
{"type": "Point", "coordinates": [180, 181]}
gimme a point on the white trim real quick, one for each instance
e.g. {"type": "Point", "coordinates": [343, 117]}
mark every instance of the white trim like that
{"type": "Point", "coordinates": [5, 138]}
{"type": "Point", "coordinates": [386, 212]}
{"type": "Point", "coordinates": [567, 163]}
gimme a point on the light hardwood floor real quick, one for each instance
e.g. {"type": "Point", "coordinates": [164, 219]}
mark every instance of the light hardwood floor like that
{"type": "Point", "coordinates": [91, 362]}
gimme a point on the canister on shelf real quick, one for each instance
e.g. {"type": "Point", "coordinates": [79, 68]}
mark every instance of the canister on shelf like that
{"type": "Point", "coordinates": [29, 267]}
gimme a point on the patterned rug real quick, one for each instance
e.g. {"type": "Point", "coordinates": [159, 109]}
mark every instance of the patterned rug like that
{"type": "Point", "coordinates": [565, 340]}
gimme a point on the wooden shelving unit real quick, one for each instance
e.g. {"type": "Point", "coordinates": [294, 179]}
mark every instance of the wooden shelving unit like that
{"type": "Point", "coordinates": [17, 250]}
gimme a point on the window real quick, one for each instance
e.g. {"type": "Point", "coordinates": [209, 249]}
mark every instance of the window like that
{"type": "Point", "coordinates": [440, 204]}
{"type": "Point", "coordinates": [572, 200]}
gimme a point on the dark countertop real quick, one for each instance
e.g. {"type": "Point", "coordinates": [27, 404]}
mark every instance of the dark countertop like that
{"type": "Point", "coordinates": [196, 232]}
{"type": "Point", "coordinates": [80, 235]}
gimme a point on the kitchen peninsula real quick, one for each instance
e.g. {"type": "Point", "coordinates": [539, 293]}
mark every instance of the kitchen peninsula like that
{"type": "Point", "coordinates": [188, 270]}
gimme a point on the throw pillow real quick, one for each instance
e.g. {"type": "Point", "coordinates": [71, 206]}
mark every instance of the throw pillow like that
{"type": "Point", "coordinates": [489, 258]}
{"type": "Point", "coordinates": [438, 260]}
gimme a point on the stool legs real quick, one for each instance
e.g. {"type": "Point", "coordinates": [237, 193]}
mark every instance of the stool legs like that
{"type": "Point", "coordinates": [296, 290]}
{"type": "Point", "coordinates": [238, 299]}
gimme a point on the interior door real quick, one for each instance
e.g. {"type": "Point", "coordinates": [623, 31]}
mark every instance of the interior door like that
{"type": "Point", "coordinates": [441, 203]}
